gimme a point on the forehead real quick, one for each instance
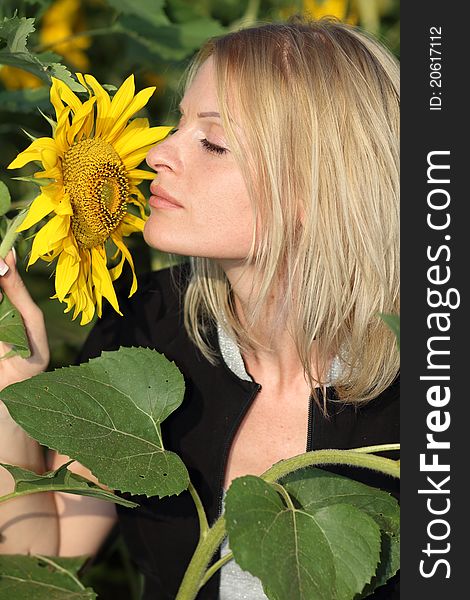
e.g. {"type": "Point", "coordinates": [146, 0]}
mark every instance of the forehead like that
{"type": "Point", "coordinates": [202, 91]}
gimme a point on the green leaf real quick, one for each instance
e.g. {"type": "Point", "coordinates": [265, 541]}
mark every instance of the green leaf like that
{"type": "Point", "coordinates": [42, 578]}
{"type": "Point", "coordinates": [5, 199]}
{"type": "Point", "coordinates": [393, 321]}
{"type": "Point", "coordinates": [61, 72]}
{"type": "Point", "coordinates": [194, 33]}
{"type": "Point", "coordinates": [151, 12]}
{"type": "Point", "coordinates": [12, 330]}
{"type": "Point", "coordinates": [328, 554]}
{"type": "Point", "coordinates": [61, 480]}
{"type": "Point", "coordinates": [181, 11]}
{"type": "Point", "coordinates": [40, 181]}
{"type": "Point", "coordinates": [14, 33]}
{"type": "Point", "coordinates": [168, 41]}
{"type": "Point", "coordinates": [24, 101]}
{"type": "Point", "coordinates": [107, 414]}
{"type": "Point", "coordinates": [315, 488]}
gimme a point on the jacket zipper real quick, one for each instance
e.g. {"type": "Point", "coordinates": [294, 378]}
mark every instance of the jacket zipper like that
{"type": "Point", "coordinates": [227, 446]}
{"type": "Point", "coordinates": [311, 410]}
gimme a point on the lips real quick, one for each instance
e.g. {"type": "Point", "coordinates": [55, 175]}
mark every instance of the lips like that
{"type": "Point", "coordinates": [160, 194]}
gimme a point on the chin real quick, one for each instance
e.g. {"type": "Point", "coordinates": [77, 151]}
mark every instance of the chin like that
{"type": "Point", "coordinates": [160, 242]}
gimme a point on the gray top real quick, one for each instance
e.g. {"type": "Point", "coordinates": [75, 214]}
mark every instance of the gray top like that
{"type": "Point", "coordinates": [234, 361]}
{"type": "Point", "coordinates": [236, 584]}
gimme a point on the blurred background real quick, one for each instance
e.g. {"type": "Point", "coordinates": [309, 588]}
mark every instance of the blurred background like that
{"type": "Point", "coordinates": [154, 39]}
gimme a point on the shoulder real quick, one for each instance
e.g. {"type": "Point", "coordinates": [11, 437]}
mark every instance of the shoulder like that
{"type": "Point", "coordinates": [150, 317]}
{"type": "Point", "coordinates": [375, 422]}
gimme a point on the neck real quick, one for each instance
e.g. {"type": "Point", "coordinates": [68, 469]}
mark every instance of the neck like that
{"type": "Point", "coordinates": [278, 360]}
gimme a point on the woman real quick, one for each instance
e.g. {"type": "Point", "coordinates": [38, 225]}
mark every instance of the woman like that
{"type": "Point", "coordinates": [281, 184]}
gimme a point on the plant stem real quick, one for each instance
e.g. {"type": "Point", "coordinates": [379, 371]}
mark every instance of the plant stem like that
{"type": "Point", "coordinates": [11, 235]}
{"type": "Point", "coordinates": [332, 457]}
{"type": "Point", "coordinates": [287, 499]}
{"type": "Point", "coordinates": [197, 573]}
{"type": "Point", "coordinates": [379, 448]}
{"type": "Point", "coordinates": [205, 550]}
{"type": "Point", "coordinates": [251, 13]}
{"type": "Point", "coordinates": [249, 17]}
{"type": "Point", "coordinates": [215, 567]}
{"type": "Point", "coordinates": [201, 513]}
{"type": "Point", "coordinates": [55, 488]}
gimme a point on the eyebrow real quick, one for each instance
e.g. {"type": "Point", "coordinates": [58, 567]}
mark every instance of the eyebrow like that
{"type": "Point", "coordinates": [201, 115]}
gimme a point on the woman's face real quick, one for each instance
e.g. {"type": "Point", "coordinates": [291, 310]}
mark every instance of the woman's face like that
{"type": "Point", "coordinates": [213, 216]}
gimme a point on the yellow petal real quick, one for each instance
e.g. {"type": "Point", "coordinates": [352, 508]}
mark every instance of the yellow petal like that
{"type": "Point", "coordinates": [49, 236]}
{"type": "Point", "coordinates": [141, 174]}
{"type": "Point", "coordinates": [123, 97]}
{"type": "Point", "coordinates": [102, 279]}
{"type": "Point", "coordinates": [49, 158]}
{"type": "Point", "coordinates": [64, 207]}
{"type": "Point", "coordinates": [68, 267]}
{"type": "Point", "coordinates": [55, 98]}
{"type": "Point", "coordinates": [133, 140]}
{"type": "Point", "coordinates": [60, 135]}
{"type": "Point", "coordinates": [68, 97]}
{"type": "Point", "coordinates": [125, 252]}
{"type": "Point", "coordinates": [41, 207]}
{"type": "Point", "coordinates": [55, 173]}
{"type": "Point", "coordinates": [103, 104]}
{"type": "Point", "coordinates": [83, 118]}
{"type": "Point", "coordinates": [33, 152]}
{"type": "Point", "coordinates": [82, 80]}
{"type": "Point", "coordinates": [134, 159]}
{"type": "Point", "coordinates": [131, 223]}
{"type": "Point", "coordinates": [139, 205]}
{"type": "Point", "coordinates": [134, 128]}
{"type": "Point", "coordinates": [121, 118]}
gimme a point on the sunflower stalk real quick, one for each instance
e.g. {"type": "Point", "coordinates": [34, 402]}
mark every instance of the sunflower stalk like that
{"type": "Point", "coordinates": [10, 237]}
{"type": "Point", "coordinates": [198, 573]}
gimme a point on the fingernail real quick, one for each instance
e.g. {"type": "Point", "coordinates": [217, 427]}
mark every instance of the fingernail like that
{"type": "Point", "coordinates": [4, 268]}
{"type": "Point", "coordinates": [14, 253]}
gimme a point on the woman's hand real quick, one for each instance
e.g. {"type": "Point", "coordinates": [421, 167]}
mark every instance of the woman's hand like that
{"type": "Point", "coordinates": [16, 368]}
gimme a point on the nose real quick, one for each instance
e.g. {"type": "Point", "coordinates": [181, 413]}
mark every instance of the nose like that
{"type": "Point", "coordinates": [164, 156]}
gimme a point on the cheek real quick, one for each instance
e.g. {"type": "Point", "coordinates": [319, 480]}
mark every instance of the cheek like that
{"type": "Point", "coordinates": [223, 205]}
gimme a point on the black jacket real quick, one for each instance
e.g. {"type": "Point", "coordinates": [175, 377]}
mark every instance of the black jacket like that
{"type": "Point", "coordinates": [161, 534]}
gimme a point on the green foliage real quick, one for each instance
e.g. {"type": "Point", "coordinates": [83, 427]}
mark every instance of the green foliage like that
{"type": "Point", "coordinates": [311, 536]}
{"type": "Point", "coordinates": [107, 414]}
{"type": "Point", "coordinates": [150, 12]}
{"type": "Point", "coordinates": [42, 578]}
{"type": "Point", "coordinates": [5, 199]}
{"type": "Point", "coordinates": [153, 39]}
{"type": "Point", "coordinates": [12, 330]}
{"type": "Point", "coordinates": [14, 33]}
{"type": "Point", "coordinates": [316, 489]}
{"type": "Point", "coordinates": [393, 321]}
{"type": "Point", "coordinates": [60, 480]}
{"type": "Point", "coordinates": [317, 535]}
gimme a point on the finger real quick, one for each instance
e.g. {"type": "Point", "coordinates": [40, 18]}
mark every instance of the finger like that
{"type": "Point", "coordinates": [14, 287]}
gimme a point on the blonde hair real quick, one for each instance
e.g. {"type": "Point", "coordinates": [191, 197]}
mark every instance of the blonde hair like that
{"type": "Point", "coordinates": [319, 104]}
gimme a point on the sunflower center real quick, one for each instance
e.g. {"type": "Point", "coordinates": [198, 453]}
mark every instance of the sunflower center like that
{"type": "Point", "coordinates": [96, 181]}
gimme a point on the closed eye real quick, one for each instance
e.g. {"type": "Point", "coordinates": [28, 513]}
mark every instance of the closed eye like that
{"type": "Point", "coordinates": [209, 147]}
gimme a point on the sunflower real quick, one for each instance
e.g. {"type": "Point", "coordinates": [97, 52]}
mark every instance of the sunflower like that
{"type": "Point", "coordinates": [89, 179]}
{"type": "Point", "coordinates": [61, 25]}
{"type": "Point", "coordinates": [14, 78]}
